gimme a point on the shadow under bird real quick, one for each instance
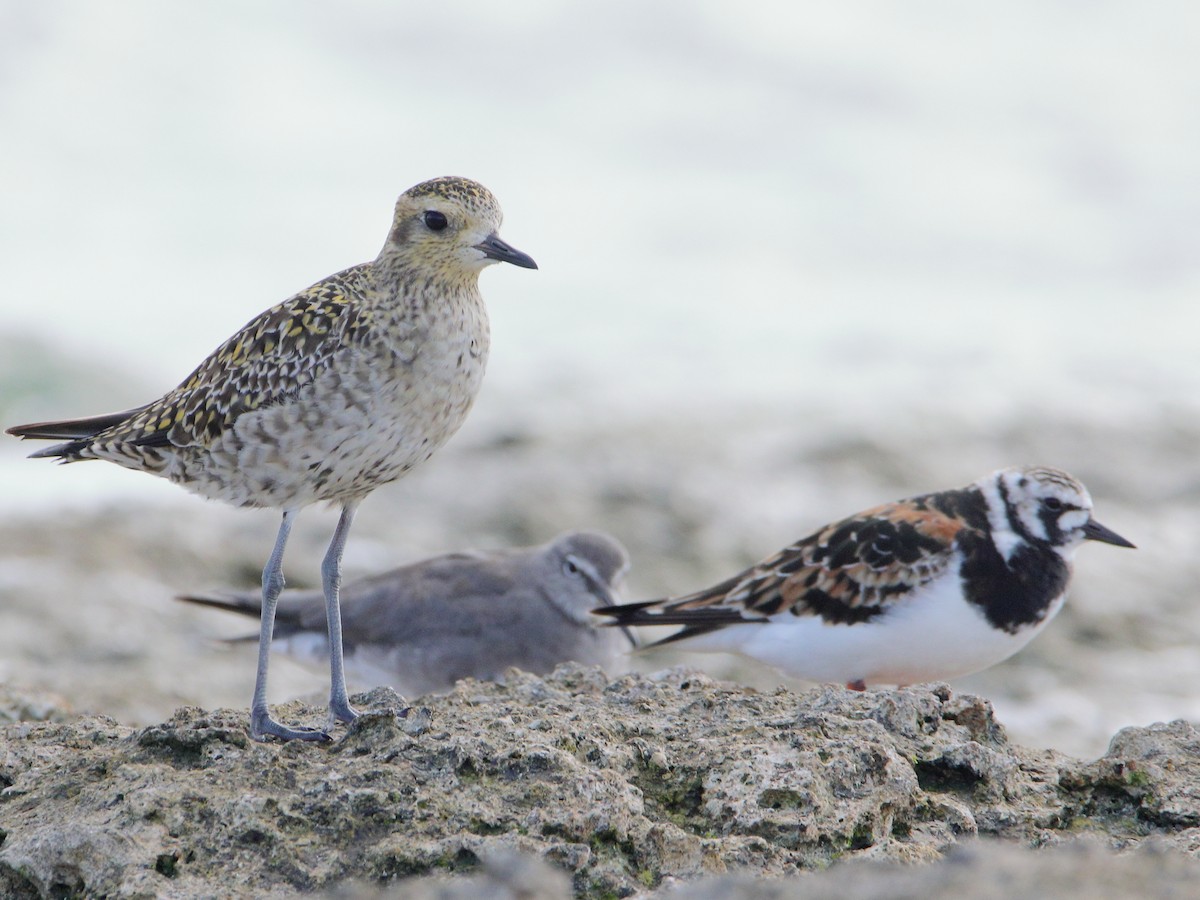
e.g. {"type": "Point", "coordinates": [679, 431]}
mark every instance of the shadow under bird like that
{"type": "Point", "coordinates": [924, 589]}
{"type": "Point", "coordinates": [424, 626]}
{"type": "Point", "coordinates": [338, 390]}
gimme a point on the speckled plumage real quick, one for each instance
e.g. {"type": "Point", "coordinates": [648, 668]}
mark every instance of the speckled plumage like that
{"type": "Point", "coordinates": [334, 392]}
{"type": "Point", "coordinates": [931, 587]}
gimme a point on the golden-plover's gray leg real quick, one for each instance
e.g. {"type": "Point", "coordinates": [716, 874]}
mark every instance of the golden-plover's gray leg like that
{"type": "Point", "coordinates": [331, 578]}
{"type": "Point", "coordinates": [261, 723]}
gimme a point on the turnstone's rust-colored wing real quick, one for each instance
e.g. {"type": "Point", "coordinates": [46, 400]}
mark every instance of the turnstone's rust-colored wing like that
{"type": "Point", "coordinates": [847, 572]}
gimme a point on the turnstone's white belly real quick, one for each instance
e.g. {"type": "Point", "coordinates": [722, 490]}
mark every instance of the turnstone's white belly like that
{"type": "Point", "coordinates": [934, 636]}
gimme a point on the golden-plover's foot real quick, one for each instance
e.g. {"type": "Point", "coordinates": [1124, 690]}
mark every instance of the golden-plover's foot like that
{"type": "Point", "coordinates": [422, 627]}
{"type": "Point", "coordinates": [924, 589]}
{"type": "Point", "coordinates": [340, 389]}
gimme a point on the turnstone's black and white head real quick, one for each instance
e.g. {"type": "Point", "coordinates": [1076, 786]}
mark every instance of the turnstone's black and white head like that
{"type": "Point", "coordinates": [1040, 505]}
{"type": "Point", "coordinates": [927, 588]}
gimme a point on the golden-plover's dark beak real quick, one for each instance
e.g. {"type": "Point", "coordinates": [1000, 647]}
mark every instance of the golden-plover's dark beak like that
{"type": "Point", "coordinates": [494, 248]}
{"type": "Point", "coordinates": [1094, 531]}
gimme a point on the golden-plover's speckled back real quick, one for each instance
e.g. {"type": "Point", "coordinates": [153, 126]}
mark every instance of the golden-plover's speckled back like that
{"type": "Point", "coordinates": [332, 393]}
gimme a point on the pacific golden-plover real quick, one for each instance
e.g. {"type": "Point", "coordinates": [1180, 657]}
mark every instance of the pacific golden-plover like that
{"type": "Point", "coordinates": [424, 626]}
{"type": "Point", "coordinates": [332, 393]}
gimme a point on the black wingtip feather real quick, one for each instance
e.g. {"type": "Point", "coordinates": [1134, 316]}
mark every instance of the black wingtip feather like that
{"type": "Point", "coordinates": [684, 633]}
{"type": "Point", "coordinates": [623, 613]}
{"type": "Point", "coordinates": [696, 620]}
{"type": "Point", "coordinates": [70, 429]}
{"type": "Point", "coordinates": [229, 604]}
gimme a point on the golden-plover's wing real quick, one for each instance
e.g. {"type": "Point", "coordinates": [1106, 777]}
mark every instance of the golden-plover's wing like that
{"type": "Point", "coordinates": [271, 359]}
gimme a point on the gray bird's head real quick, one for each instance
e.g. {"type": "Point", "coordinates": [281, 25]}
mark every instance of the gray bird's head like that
{"type": "Point", "coordinates": [449, 227]}
{"type": "Point", "coordinates": [581, 570]}
{"type": "Point", "coordinates": [1038, 504]}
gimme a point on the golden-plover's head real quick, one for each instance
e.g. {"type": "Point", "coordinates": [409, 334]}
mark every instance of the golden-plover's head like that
{"type": "Point", "coordinates": [450, 224]}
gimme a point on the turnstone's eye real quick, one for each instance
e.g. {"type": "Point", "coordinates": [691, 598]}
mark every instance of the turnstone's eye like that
{"type": "Point", "coordinates": [434, 220]}
{"type": "Point", "coordinates": [1053, 504]}
{"type": "Point", "coordinates": [570, 567]}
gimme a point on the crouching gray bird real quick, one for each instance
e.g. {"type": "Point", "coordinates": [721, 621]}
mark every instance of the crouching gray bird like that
{"type": "Point", "coordinates": [423, 626]}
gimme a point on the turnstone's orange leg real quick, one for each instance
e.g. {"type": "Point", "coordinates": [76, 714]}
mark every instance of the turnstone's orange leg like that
{"type": "Point", "coordinates": [858, 685]}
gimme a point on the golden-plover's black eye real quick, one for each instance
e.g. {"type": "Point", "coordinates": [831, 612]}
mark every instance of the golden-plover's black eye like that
{"type": "Point", "coordinates": [434, 220]}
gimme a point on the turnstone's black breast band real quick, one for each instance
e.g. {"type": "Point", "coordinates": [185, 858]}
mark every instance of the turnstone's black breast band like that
{"type": "Point", "coordinates": [1013, 594]}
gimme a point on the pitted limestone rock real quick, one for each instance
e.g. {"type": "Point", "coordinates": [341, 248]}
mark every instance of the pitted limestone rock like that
{"type": "Point", "coordinates": [626, 785]}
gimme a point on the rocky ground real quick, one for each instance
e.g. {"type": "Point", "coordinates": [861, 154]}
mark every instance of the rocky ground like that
{"type": "Point", "coordinates": [578, 784]}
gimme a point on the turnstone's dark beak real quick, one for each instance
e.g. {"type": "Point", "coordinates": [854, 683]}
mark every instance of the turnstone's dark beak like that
{"type": "Point", "coordinates": [494, 248]}
{"type": "Point", "coordinates": [1094, 531]}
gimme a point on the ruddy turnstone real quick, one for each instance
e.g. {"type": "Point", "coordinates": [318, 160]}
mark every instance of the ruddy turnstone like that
{"type": "Point", "coordinates": [325, 397]}
{"type": "Point", "coordinates": [423, 626]}
{"type": "Point", "coordinates": [923, 589]}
